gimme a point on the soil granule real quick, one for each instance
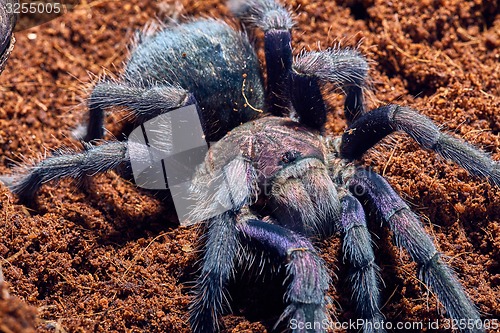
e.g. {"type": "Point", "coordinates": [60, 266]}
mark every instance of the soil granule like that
{"type": "Point", "coordinates": [109, 257]}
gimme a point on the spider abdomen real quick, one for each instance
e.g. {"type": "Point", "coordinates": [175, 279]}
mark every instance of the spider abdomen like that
{"type": "Point", "coordinates": [208, 59]}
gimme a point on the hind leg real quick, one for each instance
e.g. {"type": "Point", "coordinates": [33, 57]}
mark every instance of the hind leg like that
{"type": "Point", "coordinates": [276, 23]}
{"type": "Point", "coordinates": [144, 103]}
{"type": "Point", "coordinates": [77, 165]}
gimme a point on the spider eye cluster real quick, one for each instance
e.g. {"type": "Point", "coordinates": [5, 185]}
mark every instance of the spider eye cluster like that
{"type": "Point", "coordinates": [290, 157]}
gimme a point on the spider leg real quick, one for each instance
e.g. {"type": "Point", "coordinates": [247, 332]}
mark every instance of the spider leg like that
{"type": "Point", "coordinates": [231, 187]}
{"type": "Point", "coordinates": [307, 275]}
{"type": "Point", "coordinates": [276, 22]}
{"type": "Point", "coordinates": [375, 125]}
{"type": "Point", "coordinates": [346, 68]}
{"type": "Point", "coordinates": [364, 275]}
{"type": "Point", "coordinates": [221, 248]}
{"type": "Point", "coordinates": [95, 159]}
{"type": "Point", "coordinates": [410, 234]}
{"type": "Point", "coordinates": [144, 103]}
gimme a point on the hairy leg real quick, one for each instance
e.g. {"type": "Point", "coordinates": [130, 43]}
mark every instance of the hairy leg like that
{"type": "Point", "coordinates": [307, 275]}
{"type": "Point", "coordinates": [221, 198]}
{"type": "Point", "coordinates": [377, 124]}
{"type": "Point", "coordinates": [221, 248]}
{"type": "Point", "coordinates": [346, 68]}
{"type": "Point", "coordinates": [7, 24]}
{"type": "Point", "coordinates": [276, 22]}
{"type": "Point", "coordinates": [410, 234]}
{"type": "Point", "coordinates": [144, 103]}
{"type": "Point", "coordinates": [94, 159]}
{"type": "Point", "coordinates": [364, 276]}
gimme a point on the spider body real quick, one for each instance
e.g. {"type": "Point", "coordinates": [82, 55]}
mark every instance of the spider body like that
{"type": "Point", "coordinates": [272, 144]}
{"type": "Point", "coordinates": [287, 160]}
{"type": "Point", "coordinates": [281, 180]}
{"type": "Point", "coordinates": [204, 61]}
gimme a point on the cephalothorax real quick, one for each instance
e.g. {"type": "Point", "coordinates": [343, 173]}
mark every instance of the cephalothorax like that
{"type": "Point", "coordinates": [287, 182]}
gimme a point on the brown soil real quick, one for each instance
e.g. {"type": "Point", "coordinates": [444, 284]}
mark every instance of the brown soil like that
{"type": "Point", "coordinates": [112, 258]}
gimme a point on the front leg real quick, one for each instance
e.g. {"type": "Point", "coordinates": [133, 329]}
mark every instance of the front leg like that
{"type": "Point", "coordinates": [364, 273]}
{"type": "Point", "coordinates": [210, 297]}
{"type": "Point", "coordinates": [307, 274]}
{"type": "Point", "coordinates": [222, 198]}
{"type": "Point", "coordinates": [375, 125]}
{"type": "Point", "coordinates": [410, 234]}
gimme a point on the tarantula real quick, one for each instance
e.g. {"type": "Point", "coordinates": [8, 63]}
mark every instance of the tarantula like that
{"type": "Point", "coordinates": [286, 182]}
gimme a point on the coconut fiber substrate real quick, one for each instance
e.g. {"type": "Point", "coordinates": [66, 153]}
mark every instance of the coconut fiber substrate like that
{"type": "Point", "coordinates": [109, 257]}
